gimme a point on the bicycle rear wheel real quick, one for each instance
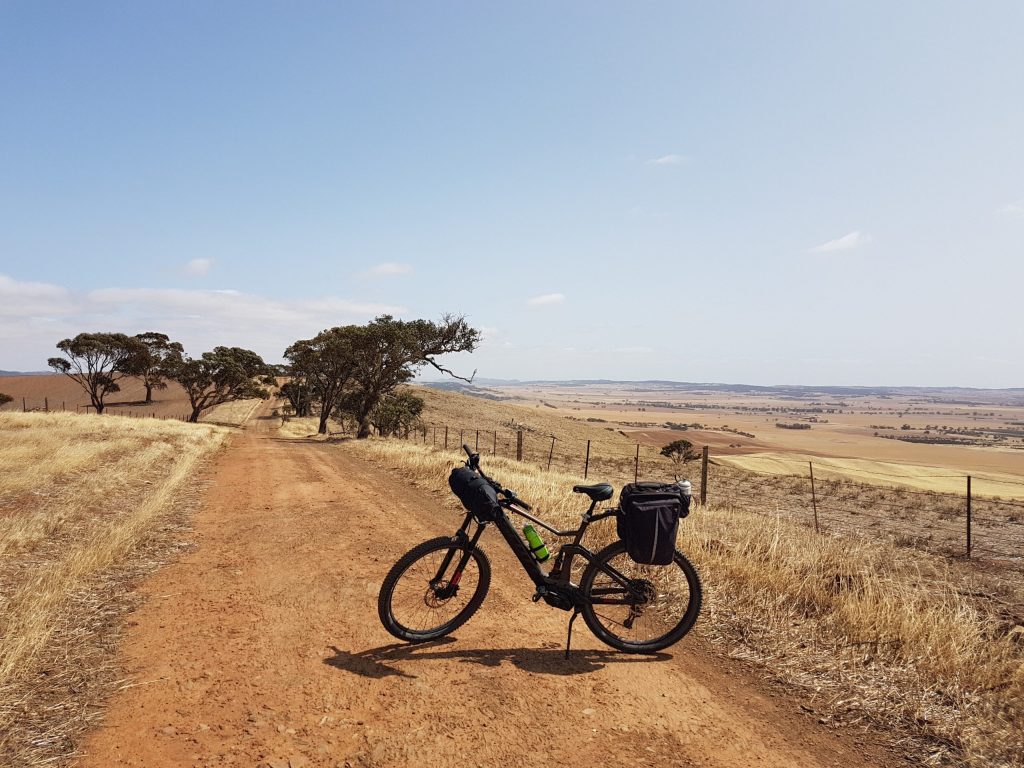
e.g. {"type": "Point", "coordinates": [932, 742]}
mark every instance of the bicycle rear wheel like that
{"type": "Point", "coordinates": [419, 601]}
{"type": "Point", "coordinates": [639, 608]}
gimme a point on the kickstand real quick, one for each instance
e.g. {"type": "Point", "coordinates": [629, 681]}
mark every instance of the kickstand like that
{"type": "Point", "coordinates": [568, 639]}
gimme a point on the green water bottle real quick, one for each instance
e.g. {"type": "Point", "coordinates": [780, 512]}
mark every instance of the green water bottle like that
{"type": "Point", "coordinates": [536, 544]}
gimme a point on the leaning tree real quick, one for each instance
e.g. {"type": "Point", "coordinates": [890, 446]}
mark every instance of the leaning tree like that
{"type": "Point", "coordinates": [155, 360]}
{"type": "Point", "coordinates": [388, 353]}
{"type": "Point", "coordinates": [97, 361]}
{"type": "Point", "coordinates": [226, 374]}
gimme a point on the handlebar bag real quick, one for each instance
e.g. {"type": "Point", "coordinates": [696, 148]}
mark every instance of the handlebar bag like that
{"type": "Point", "coordinates": [648, 520]}
{"type": "Point", "coordinates": [476, 494]}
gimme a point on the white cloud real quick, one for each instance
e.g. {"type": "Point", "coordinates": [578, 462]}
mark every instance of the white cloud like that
{"type": "Point", "coordinates": [32, 300]}
{"type": "Point", "coordinates": [546, 299]}
{"type": "Point", "coordinates": [669, 160]}
{"type": "Point", "coordinates": [847, 242]}
{"type": "Point", "coordinates": [35, 316]}
{"type": "Point", "coordinates": [1016, 208]}
{"type": "Point", "coordinates": [198, 267]}
{"type": "Point", "coordinates": [389, 269]}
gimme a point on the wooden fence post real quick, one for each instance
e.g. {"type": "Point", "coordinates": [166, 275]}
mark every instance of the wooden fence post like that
{"type": "Point", "coordinates": [586, 462]}
{"type": "Point", "coordinates": [551, 452]}
{"type": "Point", "coordinates": [476, 446]}
{"type": "Point", "coordinates": [968, 516]}
{"type": "Point", "coordinates": [24, 407]}
{"type": "Point", "coordinates": [704, 476]}
{"type": "Point", "coordinates": [519, 445]}
{"type": "Point", "coordinates": [636, 464]}
{"type": "Point", "coordinates": [494, 447]}
{"type": "Point", "coordinates": [46, 404]}
{"type": "Point", "coordinates": [446, 437]}
{"type": "Point", "coordinates": [814, 498]}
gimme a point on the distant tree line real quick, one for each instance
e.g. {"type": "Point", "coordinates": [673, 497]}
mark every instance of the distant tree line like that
{"type": "Point", "coordinates": [348, 373]}
{"type": "Point", "coordinates": [97, 362]}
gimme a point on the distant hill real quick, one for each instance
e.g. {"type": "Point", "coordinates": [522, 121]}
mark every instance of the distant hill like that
{"type": "Point", "coordinates": [801, 390]}
{"type": "Point", "coordinates": [26, 373]}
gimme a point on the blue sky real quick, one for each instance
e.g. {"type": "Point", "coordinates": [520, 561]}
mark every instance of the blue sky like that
{"type": "Point", "coordinates": [819, 193]}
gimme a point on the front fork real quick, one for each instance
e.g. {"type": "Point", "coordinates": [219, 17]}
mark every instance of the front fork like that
{"type": "Point", "coordinates": [461, 542]}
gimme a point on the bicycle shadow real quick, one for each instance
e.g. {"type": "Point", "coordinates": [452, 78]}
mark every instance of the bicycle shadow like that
{"type": "Point", "coordinates": [378, 662]}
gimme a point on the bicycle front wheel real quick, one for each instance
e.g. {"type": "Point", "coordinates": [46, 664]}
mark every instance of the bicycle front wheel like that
{"type": "Point", "coordinates": [426, 595]}
{"type": "Point", "coordinates": [639, 608]}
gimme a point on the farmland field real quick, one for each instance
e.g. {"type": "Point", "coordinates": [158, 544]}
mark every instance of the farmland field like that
{"type": "Point", "coordinates": [916, 437]}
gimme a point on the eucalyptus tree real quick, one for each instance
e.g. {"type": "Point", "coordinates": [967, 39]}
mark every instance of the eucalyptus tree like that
{"type": "Point", "coordinates": [96, 362]}
{"type": "Point", "coordinates": [325, 366]}
{"type": "Point", "coordinates": [154, 362]}
{"type": "Point", "coordinates": [220, 376]}
{"type": "Point", "coordinates": [390, 351]}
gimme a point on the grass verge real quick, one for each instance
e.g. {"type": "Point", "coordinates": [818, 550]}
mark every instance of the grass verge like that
{"type": "Point", "coordinates": [82, 501]}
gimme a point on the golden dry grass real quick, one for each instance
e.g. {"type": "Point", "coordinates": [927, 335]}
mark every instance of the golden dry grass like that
{"type": "Point", "coordinates": [885, 473]}
{"type": "Point", "coordinates": [873, 633]}
{"type": "Point", "coordinates": [232, 414]}
{"type": "Point", "coordinates": [78, 496]}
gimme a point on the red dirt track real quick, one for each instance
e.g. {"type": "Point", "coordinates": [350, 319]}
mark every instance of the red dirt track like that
{"type": "Point", "coordinates": [263, 647]}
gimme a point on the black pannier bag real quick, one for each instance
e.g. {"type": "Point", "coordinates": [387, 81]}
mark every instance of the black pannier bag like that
{"type": "Point", "coordinates": [648, 520]}
{"type": "Point", "coordinates": [475, 493]}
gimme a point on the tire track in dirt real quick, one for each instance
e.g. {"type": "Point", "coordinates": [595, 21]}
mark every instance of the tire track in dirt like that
{"type": "Point", "coordinates": [262, 647]}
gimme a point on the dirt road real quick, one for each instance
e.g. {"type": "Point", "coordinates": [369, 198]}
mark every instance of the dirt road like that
{"type": "Point", "coordinates": [262, 647]}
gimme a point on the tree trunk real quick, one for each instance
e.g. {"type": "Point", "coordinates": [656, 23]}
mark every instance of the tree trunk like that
{"type": "Point", "coordinates": [149, 393]}
{"type": "Point", "coordinates": [194, 418]}
{"type": "Point", "coordinates": [364, 429]}
{"type": "Point", "coordinates": [322, 429]}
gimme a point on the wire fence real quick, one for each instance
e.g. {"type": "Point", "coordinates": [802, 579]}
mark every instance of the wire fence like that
{"type": "Point", "coordinates": [976, 522]}
{"type": "Point", "coordinates": [138, 410]}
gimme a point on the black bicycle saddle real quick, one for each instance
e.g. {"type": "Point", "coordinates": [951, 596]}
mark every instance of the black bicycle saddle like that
{"type": "Point", "coordinates": [598, 492]}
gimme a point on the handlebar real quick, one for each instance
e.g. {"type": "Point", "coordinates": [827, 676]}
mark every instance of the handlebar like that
{"type": "Point", "coordinates": [474, 464]}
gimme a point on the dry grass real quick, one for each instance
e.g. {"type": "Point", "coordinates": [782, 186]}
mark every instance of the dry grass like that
{"type": "Point", "coordinates": [885, 473]}
{"type": "Point", "coordinates": [873, 633]}
{"type": "Point", "coordinates": [231, 414]}
{"type": "Point", "coordinates": [79, 495]}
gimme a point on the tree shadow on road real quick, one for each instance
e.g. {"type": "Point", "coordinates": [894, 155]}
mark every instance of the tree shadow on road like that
{"type": "Point", "coordinates": [380, 662]}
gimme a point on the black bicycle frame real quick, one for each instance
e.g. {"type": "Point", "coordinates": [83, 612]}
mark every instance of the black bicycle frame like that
{"type": "Point", "coordinates": [559, 579]}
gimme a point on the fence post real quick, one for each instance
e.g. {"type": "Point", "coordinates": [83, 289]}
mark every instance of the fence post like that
{"type": "Point", "coordinates": [519, 445]}
{"type": "Point", "coordinates": [814, 499]}
{"type": "Point", "coordinates": [46, 404]}
{"type": "Point", "coordinates": [476, 446]}
{"type": "Point", "coordinates": [704, 476]}
{"type": "Point", "coordinates": [446, 437]}
{"type": "Point", "coordinates": [636, 464]}
{"type": "Point", "coordinates": [968, 516]}
{"type": "Point", "coordinates": [586, 462]}
{"type": "Point", "coordinates": [24, 407]}
{"type": "Point", "coordinates": [494, 447]}
{"type": "Point", "coordinates": [551, 452]}
{"type": "Point", "coordinates": [62, 405]}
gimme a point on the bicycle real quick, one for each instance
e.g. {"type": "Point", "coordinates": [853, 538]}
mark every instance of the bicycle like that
{"type": "Point", "coordinates": [438, 585]}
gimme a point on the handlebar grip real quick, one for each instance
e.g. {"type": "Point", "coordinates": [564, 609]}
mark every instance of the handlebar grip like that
{"type": "Point", "coordinates": [467, 450]}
